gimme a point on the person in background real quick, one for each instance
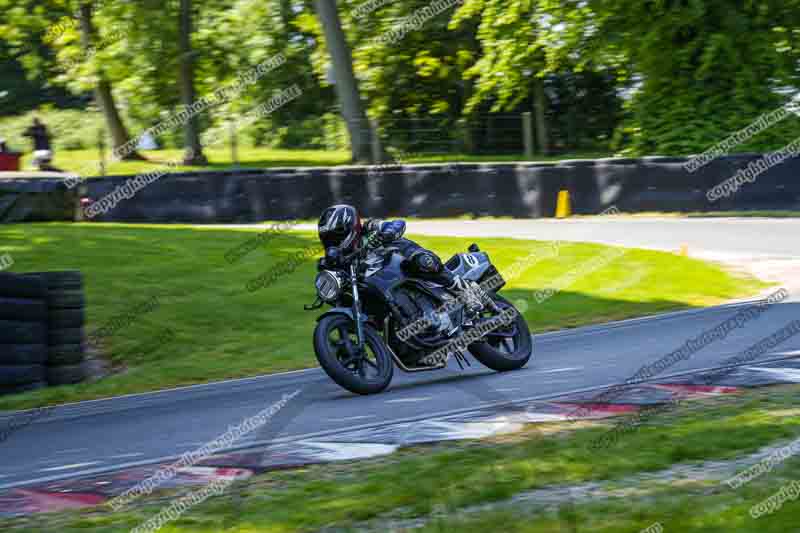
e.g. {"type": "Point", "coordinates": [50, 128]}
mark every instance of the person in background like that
{"type": "Point", "coordinates": [38, 132]}
{"type": "Point", "coordinates": [42, 152]}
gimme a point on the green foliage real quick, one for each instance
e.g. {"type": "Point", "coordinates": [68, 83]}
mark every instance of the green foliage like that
{"type": "Point", "coordinates": [70, 129]}
{"type": "Point", "coordinates": [655, 76]}
{"type": "Point", "coordinates": [702, 70]}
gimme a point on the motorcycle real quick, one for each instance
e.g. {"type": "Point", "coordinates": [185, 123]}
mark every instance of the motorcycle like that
{"type": "Point", "coordinates": [382, 317]}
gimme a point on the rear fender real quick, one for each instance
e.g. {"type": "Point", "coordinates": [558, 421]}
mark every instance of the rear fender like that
{"type": "Point", "coordinates": [471, 266]}
{"type": "Point", "coordinates": [477, 267]}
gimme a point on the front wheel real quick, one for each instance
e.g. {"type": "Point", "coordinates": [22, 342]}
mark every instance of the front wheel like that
{"type": "Point", "coordinates": [508, 347]}
{"type": "Point", "coordinates": [336, 346]}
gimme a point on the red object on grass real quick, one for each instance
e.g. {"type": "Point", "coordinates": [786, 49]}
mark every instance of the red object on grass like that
{"type": "Point", "coordinates": [9, 161]}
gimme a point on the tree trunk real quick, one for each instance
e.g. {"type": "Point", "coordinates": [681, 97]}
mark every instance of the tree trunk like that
{"type": "Point", "coordinates": [346, 84]}
{"type": "Point", "coordinates": [104, 94]}
{"type": "Point", "coordinates": [194, 150]}
{"type": "Point", "coordinates": [540, 108]}
{"type": "Point", "coordinates": [286, 15]}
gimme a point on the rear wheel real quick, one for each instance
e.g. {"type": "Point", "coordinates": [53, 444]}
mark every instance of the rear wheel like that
{"type": "Point", "coordinates": [508, 347]}
{"type": "Point", "coordinates": [336, 346]}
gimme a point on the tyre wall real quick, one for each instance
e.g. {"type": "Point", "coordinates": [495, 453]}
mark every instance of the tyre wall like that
{"type": "Point", "coordinates": [41, 330]}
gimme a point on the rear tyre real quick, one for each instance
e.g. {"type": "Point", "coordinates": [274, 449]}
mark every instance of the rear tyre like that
{"type": "Point", "coordinates": [65, 354]}
{"type": "Point", "coordinates": [13, 332]}
{"type": "Point", "coordinates": [66, 318]}
{"type": "Point", "coordinates": [22, 286]}
{"type": "Point", "coordinates": [16, 389]}
{"type": "Point", "coordinates": [66, 374]}
{"type": "Point", "coordinates": [20, 374]}
{"type": "Point", "coordinates": [23, 354]}
{"type": "Point", "coordinates": [62, 280]}
{"type": "Point", "coordinates": [335, 345]}
{"type": "Point", "coordinates": [18, 309]}
{"type": "Point", "coordinates": [507, 347]}
{"type": "Point", "coordinates": [65, 336]}
{"type": "Point", "coordinates": [66, 300]}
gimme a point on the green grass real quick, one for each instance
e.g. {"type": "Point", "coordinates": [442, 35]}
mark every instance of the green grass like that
{"type": "Point", "coordinates": [85, 162]}
{"type": "Point", "coordinates": [422, 480]}
{"type": "Point", "coordinates": [223, 331]}
{"type": "Point", "coordinates": [692, 509]}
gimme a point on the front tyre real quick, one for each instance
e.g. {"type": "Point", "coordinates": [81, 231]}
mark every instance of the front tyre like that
{"type": "Point", "coordinates": [507, 347]}
{"type": "Point", "coordinates": [336, 347]}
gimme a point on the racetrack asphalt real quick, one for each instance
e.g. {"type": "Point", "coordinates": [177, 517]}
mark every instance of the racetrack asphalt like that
{"type": "Point", "coordinates": [104, 435]}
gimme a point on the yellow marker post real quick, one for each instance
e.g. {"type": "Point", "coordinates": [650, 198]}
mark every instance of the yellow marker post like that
{"type": "Point", "coordinates": [563, 206]}
{"type": "Point", "coordinates": [684, 250]}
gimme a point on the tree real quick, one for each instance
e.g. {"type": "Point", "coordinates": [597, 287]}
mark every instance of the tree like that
{"type": "Point", "coordinates": [103, 92]}
{"type": "Point", "coordinates": [697, 71]}
{"type": "Point", "coordinates": [512, 63]}
{"type": "Point", "coordinates": [346, 84]}
{"type": "Point", "coordinates": [194, 150]}
{"type": "Point", "coordinates": [28, 30]}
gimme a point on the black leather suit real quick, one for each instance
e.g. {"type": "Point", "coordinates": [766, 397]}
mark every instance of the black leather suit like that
{"type": "Point", "coordinates": [420, 262]}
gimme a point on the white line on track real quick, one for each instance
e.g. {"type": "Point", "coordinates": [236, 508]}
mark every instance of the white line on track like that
{"type": "Point", "coordinates": [788, 374]}
{"type": "Point", "coordinates": [409, 400]}
{"type": "Point", "coordinates": [322, 434]}
{"type": "Point", "coordinates": [349, 418]}
{"type": "Point", "coordinates": [68, 467]}
{"type": "Point", "coordinates": [126, 455]}
{"type": "Point", "coordinates": [73, 450]}
{"type": "Point", "coordinates": [554, 370]}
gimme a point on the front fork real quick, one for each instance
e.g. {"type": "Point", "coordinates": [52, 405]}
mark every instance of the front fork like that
{"type": "Point", "coordinates": [357, 307]}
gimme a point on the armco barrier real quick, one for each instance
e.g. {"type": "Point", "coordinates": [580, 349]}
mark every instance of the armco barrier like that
{"type": "Point", "coordinates": [612, 177]}
{"type": "Point", "coordinates": [777, 188]}
{"type": "Point", "coordinates": [534, 189]}
{"type": "Point", "coordinates": [386, 192]}
{"type": "Point", "coordinates": [35, 200]}
{"type": "Point", "coordinates": [438, 190]}
{"type": "Point", "coordinates": [498, 185]}
{"type": "Point", "coordinates": [666, 186]}
{"type": "Point", "coordinates": [582, 184]}
{"type": "Point", "coordinates": [348, 185]}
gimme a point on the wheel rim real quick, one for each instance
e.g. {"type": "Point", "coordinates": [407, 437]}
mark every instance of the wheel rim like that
{"type": "Point", "coordinates": [343, 344]}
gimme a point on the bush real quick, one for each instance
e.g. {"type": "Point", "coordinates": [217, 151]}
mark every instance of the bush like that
{"type": "Point", "coordinates": [323, 132]}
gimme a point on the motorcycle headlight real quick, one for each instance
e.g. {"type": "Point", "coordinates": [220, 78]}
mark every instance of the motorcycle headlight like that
{"type": "Point", "coordinates": [329, 286]}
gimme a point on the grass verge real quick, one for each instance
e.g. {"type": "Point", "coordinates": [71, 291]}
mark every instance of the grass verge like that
{"type": "Point", "coordinates": [221, 330]}
{"type": "Point", "coordinates": [423, 481]}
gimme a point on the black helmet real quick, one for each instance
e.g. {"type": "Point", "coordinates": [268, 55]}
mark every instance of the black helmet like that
{"type": "Point", "coordinates": [340, 227]}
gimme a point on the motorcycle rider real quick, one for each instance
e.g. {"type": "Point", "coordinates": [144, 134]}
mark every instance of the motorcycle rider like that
{"type": "Point", "coordinates": [342, 232]}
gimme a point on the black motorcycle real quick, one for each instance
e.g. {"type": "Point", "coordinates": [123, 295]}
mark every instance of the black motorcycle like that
{"type": "Point", "coordinates": [381, 317]}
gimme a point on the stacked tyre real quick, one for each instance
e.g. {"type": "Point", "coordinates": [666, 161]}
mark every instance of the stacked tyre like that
{"type": "Point", "coordinates": [23, 333]}
{"type": "Point", "coordinates": [66, 316]}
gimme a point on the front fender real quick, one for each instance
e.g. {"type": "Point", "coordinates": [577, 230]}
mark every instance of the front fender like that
{"type": "Point", "coordinates": [341, 311]}
{"type": "Point", "coordinates": [337, 311]}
